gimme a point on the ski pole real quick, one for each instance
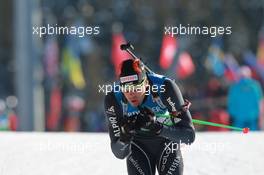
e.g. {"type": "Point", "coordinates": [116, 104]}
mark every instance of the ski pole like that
{"type": "Point", "coordinates": [201, 122]}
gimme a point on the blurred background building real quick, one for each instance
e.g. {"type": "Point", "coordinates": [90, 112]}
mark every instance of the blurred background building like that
{"type": "Point", "coordinates": [51, 83]}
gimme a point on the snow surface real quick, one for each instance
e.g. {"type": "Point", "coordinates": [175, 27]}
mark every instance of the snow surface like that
{"type": "Point", "coordinates": [228, 153]}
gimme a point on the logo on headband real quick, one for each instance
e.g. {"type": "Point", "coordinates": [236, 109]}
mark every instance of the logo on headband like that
{"type": "Point", "coordinates": [128, 78]}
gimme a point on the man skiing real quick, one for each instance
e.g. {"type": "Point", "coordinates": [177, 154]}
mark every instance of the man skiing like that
{"type": "Point", "coordinates": [138, 130]}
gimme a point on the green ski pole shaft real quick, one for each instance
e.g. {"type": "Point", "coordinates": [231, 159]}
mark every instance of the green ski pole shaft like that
{"type": "Point", "coordinates": [201, 122]}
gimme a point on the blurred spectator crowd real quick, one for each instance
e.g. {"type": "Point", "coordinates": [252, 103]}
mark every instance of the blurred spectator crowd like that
{"type": "Point", "coordinates": [73, 66]}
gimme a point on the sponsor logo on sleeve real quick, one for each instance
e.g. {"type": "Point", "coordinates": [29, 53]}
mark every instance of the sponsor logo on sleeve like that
{"type": "Point", "coordinates": [114, 124]}
{"type": "Point", "coordinates": [113, 121]}
{"type": "Point", "coordinates": [172, 104]}
{"type": "Point", "coordinates": [111, 110]}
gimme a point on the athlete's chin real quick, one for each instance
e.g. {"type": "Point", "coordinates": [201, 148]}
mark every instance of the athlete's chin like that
{"type": "Point", "coordinates": [134, 102]}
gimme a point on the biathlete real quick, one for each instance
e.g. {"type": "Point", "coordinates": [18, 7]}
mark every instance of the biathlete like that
{"type": "Point", "coordinates": [138, 130]}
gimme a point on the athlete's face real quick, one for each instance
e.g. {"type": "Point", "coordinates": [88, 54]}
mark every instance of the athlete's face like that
{"type": "Point", "coordinates": [136, 94]}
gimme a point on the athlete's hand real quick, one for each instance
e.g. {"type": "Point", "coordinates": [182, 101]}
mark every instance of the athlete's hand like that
{"type": "Point", "coordinates": [175, 116]}
{"type": "Point", "coordinates": [184, 108]}
{"type": "Point", "coordinates": [127, 126]}
{"type": "Point", "coordinates": [147, 120]}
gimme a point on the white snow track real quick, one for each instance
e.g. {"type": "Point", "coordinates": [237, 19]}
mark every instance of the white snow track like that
{"type": "Point", "coordinates": [227, 153]}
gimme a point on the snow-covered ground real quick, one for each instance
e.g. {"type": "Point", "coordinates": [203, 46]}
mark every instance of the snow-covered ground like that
{"type": "Point", "coordinates": [90, 154]}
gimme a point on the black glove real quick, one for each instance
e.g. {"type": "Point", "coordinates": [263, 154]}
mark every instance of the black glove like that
{"type": "Point", "coordinates": [147, 120]}
{"type": "Point", "coordinates": [127, 126]}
